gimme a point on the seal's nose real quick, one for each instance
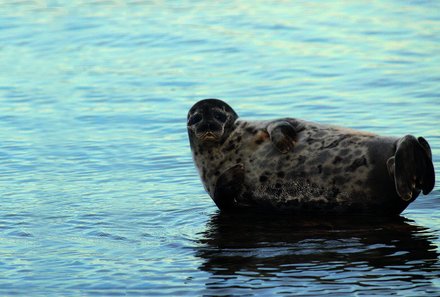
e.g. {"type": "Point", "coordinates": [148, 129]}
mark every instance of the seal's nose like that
{"type": "Point", "coordinates": [209, 126]}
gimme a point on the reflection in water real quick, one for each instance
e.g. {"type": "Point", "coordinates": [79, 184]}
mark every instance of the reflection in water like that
{"type": "Point", "coordinates": [320, 255]}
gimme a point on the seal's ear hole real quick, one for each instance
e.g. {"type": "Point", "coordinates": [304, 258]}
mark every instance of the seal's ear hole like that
{"type": "Point", "coordinates": [194, 119]}
{"type": "Point", "coordinates": [220, 116]}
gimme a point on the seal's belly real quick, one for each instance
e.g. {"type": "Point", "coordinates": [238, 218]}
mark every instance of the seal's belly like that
{"type": "Point", "coordinates": [324, 170]}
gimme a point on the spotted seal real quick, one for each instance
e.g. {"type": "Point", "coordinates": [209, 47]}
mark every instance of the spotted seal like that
{"type": "Point", "coordinates": [296, 165]}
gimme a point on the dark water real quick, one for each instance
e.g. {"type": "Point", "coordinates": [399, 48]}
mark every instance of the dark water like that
{"type": "Point", "coordinates": [98, 192]}
{"type": "Point", "coordinates": [315, 256]}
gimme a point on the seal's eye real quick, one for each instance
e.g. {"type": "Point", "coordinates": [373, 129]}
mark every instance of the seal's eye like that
{"type": "Point", "coordinates": [194, 119]}
{"type": "Point", "coordinates": [220, 116]}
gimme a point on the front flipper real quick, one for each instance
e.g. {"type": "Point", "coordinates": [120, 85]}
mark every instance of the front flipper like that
{"type": "Point", "coordinates": [229, 186]}
{"type": "Point", "coordinates": [413, 168]}
{"type": "Point", "coordinates": [283, 135]}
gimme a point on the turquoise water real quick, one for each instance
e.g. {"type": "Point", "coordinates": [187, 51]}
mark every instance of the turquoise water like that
{"type": "Point", "coordinates": [99, 195]}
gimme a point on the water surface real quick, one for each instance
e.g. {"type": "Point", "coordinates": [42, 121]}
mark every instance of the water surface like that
{"type": "Point", "coordinates": [99, 195]}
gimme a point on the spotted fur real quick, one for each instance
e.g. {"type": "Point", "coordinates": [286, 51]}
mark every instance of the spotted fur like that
{"type": "Point", "coordinates": [326, 168]}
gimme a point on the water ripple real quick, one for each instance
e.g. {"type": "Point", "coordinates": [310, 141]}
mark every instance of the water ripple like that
{"type": "Point", "coordinates": [99, 195]}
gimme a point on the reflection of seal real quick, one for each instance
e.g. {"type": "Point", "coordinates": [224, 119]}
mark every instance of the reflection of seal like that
{"type": "Point", "coordinates": [241, 242]}
{"type": "Point", "coordinates": [291, 164]}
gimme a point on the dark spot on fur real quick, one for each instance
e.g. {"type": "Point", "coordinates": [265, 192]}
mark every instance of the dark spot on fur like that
{"type": "Point", "coordinates": [238, 160]}
{"type": "Point", "coordinates": [259, 141]}
{"type": "Point", "coordinates": [319, 168]}
{"type": "Point", "coordinates": [344, 152]}
{"type": "Point", "coordinates": [275, 191]}
{"type": "Point", "coordinates": [229, 147]}
{"type": "Point", "coordinates": [277, 185]}
{"type": "Point", "coordinates": [281, 174]}
{"type": "Point", "coordinates": [337, 159]}
{"type": "Point", "coordinates": [361, 161]}
{"type": "Point", "coordinates": [238, 138]}
{"type": "Point", "coordinates": [323, 157]}
{"type": "Point", "coordinates": [333, 144]}
{"type": "Point", "coordinates": [327, 171]}
{"type": "Point", "coordinates": [251, 130]}
{"type": "Point", "coordinates": [301, 160]}
{"type": "Point", "coordinates": [338, 141]}
{"type": "Point", "coordinates": [201, 149]}
{"type": "Point", "coordinates": [217, 173]}
{"type": "Point", "coordinates": [309, 141]}
{"type": "Point", "coordinates": [337, 170]}
{"type": "Point", "coordinates": [301, 174]}
{"type": "Point", "coordinates": [211, 158]}
{"type": "Point", "coordinates": [196, 153]}
{"type": "Point", "coordinates": [263, 178]}
{"type": "Point", "coordinates": [347, 159]}
{"type": "Point", "coordinates": [320, 133]}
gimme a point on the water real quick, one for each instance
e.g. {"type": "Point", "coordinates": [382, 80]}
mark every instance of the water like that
{"type": "Point", "coordinates": [99, 195]}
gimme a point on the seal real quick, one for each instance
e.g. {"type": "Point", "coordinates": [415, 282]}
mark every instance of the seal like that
{"type": "Point", "coordinates": [299, 166]}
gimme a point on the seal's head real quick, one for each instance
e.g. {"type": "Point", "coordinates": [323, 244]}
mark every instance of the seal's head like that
{"type": "Point", "coordinates": [210, 121]}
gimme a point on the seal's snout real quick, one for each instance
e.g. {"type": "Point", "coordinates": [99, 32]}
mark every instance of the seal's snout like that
{"type": "Point", "coordinates": [208, 130]}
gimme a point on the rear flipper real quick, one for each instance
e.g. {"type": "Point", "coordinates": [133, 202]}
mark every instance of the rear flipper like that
{"type": "Point", "coordinates": [412, 167]}
{"type": "Point", "coordinates": [228, 187]}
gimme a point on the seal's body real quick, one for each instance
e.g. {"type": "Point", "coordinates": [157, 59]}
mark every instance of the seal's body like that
{"type": "Point", "coordinates": [295, 165]}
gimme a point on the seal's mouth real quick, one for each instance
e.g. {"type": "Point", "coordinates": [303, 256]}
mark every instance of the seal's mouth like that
{"type": "Point", "coordinates": [209, 136]}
